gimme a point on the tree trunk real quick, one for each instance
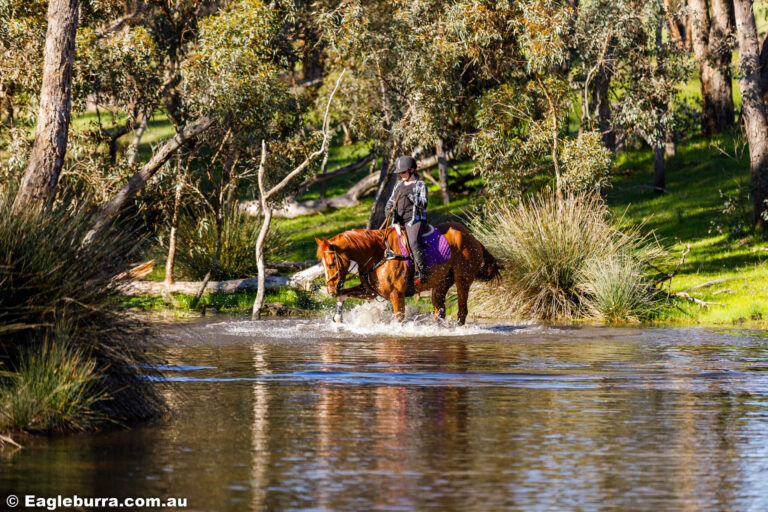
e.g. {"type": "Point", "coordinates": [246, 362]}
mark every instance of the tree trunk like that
{"type": "Point", "coordinates": [658, 167]}
{"type": "Point", "coordinates": [139, 179]}
{"type": "Point", "coordinates": [753, 108]}
{"type": "Point", "coordinates": [714, 56]}
{"type": "Point", "coordinates": [42, 175]}
{"type": "Point", "coordinates": [603, 109]}
{"type": "Point", "coordinates": [171, 260]}
{"type": "Point", "coordinates": [133, 149]}
{"type": "Point", "coordinates": [383, 190]}
{"type": "Point", "coordinates": [442, 165]}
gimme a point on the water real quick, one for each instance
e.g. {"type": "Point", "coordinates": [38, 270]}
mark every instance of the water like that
{"type": "Point", "coordinates": [306, 415]}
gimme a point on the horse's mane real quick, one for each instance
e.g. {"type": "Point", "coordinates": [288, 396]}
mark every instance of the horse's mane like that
{"type": "Point", "coordinates": [361, 238]}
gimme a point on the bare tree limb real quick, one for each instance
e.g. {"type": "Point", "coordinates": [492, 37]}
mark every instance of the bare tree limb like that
{"type": "Point", "coordinates": [139, 179]}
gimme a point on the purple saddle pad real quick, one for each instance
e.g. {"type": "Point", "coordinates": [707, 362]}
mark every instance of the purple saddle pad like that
{"type": "Point", "coordinates": [436, 248]}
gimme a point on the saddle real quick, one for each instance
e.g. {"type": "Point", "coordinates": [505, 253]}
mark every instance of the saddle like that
{"type": "Point", "coordinates": [402, 238]}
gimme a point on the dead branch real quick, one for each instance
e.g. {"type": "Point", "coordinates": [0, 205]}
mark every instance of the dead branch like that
{"type": "Point", "coordinates": [683, 295]}
{"type": "Point", "coordinates": [710, 283]}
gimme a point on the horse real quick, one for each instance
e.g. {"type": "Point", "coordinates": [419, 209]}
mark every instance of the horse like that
{"type": "Point", "coordinates": [384, 273]}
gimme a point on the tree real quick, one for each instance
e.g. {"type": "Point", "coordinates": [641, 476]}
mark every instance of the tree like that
{"type": "Point", "coordinates": [712, 46]}
{"type": "Point", "coordinates": [406, 77]}
{"type": "Point", "coordinates": [266, 194]}
{"type": "Point", "coordinates": [753, 107]}
{"type": "Point", "coordinates": [41, 178]}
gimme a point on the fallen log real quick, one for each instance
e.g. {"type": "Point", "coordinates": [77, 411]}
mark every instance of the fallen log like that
{"type": "Point", "coordinates": [292, 209]}
{"type": "Point", "coordinates": [191, 287]}
{"type": "Point", "coordinates": [302, 280]}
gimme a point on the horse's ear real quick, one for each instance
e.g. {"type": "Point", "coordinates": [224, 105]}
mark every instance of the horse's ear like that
{"type": "Point", "coordinates": [317, 240]}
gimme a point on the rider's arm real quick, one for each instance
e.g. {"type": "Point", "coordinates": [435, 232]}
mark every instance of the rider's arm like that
{"type": "Point", "coordinates": [391, 201]}
{"type": "Point", "coordinates": [419, 195]}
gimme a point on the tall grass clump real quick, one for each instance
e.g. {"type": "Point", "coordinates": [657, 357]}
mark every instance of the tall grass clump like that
{"type": "Point", "coordinates": [553, 251]}
{"type": "Point", "coordinates": [196, 245]}
{"type": "Point", "coordinates": [56, 388]}
{"type": "Point", "coordinates": [57, 303]}
{"type": "Point", "coordinates": [615, 289]}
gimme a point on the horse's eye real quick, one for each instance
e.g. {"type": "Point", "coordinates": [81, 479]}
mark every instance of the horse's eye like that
{"type": "Point", "coordinates": [330, 265]}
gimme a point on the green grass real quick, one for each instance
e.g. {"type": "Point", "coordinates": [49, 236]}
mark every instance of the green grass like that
{"type": "Point", "coordinates": [696, 177]}
{"type": "Point", "coordinates": [688, 215]}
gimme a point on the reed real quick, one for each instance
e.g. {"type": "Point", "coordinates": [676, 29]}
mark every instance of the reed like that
{"type": "Point", "coordinates": [546, 245]}
{"type": "Point", "coordinates": [196, 245]}
{"type": "Point", "coordinates": [58, 300]}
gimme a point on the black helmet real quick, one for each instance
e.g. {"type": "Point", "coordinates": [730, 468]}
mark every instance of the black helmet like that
{"type": "Point", "coordinates": [402, 164]}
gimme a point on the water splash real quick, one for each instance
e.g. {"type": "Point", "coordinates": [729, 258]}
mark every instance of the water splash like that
{"type": "Point", "coordinates": [371, 319]}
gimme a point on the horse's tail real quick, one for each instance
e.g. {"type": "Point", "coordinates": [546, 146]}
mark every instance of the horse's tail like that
{"type": "Point", "coordinates": [490, 269]}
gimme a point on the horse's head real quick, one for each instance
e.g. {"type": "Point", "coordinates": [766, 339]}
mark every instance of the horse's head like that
{"type": "Point", "coordinates": [335, 263]}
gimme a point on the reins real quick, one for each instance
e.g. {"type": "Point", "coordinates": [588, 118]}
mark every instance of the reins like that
{"type": "Point", "coordinates": [365, 279]}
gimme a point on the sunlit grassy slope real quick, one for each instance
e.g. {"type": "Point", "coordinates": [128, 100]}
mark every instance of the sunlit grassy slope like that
{"type": "Point", "coordinates": [699, 178]}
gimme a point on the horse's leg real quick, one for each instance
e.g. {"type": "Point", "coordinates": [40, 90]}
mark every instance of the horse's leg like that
{"type": "Point", "coordinates": [337, 316]}
{"type": "Point", "coordinates": [356, 292]}
{"type": "Point", "coordinates": [462, 294]}
{"type": "Point", "coordinates": [398, 304]}
{"type": "Point", "coordinates": [438, 296]}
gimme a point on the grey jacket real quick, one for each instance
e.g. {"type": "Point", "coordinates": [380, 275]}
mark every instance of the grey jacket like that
{"type": "Point", "coordinates": [418, 197]}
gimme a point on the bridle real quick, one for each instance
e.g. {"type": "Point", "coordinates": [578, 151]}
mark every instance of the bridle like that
{"type": "Point", "coordinates": [337, 261]}
{"type": "Point", "coordinates": [389, 254]}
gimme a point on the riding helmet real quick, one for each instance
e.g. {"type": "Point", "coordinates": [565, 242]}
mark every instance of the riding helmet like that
{"type": "Point", "coordinates": [403, 163]}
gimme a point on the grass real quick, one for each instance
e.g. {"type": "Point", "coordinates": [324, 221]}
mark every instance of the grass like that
{"type": "Point", "coordinates": [239, 302]}
{"type": "Point", "coordinates": [57, 294]}
{"type": "Point", "coordinates": [688, 215]}
{"type": "Point", "coordinates": [549, 247]}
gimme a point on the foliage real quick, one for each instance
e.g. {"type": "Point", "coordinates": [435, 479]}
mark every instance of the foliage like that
{"type": "Point", "coordinates": [616, 289]}
{"type": "Point", "coordinates": [53, 289]}
{"type": "Point", "coordinates": [587, 163]}
{"type": "Point", "coordinates": [56, 387]}
{"type": "Point", "coordinates": [22, 36]}
{"type": "Point", "coordinates": [234, 71]}
{"type": "Point", "coordinates": [625, 39]}
{"type": "Point", "coordinates": [547, 245]}
{"type": "Point", "coordinates": [196, 245]}
{"type": "Point", "coordinates": [120, 69]}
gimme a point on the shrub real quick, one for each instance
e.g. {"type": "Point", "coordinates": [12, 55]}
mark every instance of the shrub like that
{"type": "Point", "coordinates": [546, 245]}
{"type": "Point", "coordinates": [196, 245]}
{"type": "Point", "coordinates": [56, 387]}
{"type": "Point", "coordinates": [615, 289]}
{"type": "Point", "coordinates": [51, 288]}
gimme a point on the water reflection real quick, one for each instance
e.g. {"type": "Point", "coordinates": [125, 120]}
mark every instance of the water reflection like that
{"type": "Point", "coordinates": [300, 415]}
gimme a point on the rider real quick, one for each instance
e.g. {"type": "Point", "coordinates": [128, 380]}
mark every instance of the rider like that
{"type": "Point", "coordinates": [409, 199]}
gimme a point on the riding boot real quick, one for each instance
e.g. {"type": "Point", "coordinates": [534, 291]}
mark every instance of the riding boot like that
{"type": "Point", "coordinates": [421, 265]}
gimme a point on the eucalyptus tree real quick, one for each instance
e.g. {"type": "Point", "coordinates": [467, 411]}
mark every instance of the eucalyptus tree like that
{"type": "Point", "coordinates": [38, 186]}
{"type": "Point", "coordinates": [521, 52]}
{"type": "Point", "coordinates": [753, 107]}
{"type": "Point", "coordinates": [648, 71]}
{"type": "Point", "coordinates": [713, 38]}
{"type": "Point", "coordinates": [405, 76]}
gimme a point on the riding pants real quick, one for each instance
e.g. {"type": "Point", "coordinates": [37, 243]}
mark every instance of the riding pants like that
{"type": "Point", "coordinates": [414, 233]}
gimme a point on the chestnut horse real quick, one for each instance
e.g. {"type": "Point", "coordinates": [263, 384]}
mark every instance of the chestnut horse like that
{"type": "Point", "coordinates": [384, 273]}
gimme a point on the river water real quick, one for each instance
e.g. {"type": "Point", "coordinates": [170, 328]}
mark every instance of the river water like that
{"type": "Point", "coordinates": [306, 415]}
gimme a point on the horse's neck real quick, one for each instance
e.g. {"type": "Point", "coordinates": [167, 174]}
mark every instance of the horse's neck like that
{"type": "Point", "coordinates": [364, 252]}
